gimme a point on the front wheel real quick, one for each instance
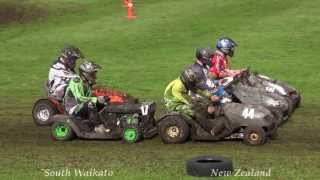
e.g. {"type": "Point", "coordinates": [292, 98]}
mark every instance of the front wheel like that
{"type": "Point", "coordinates": [131, 134]}
{"type": "Point", "coordinates": [174, 129]}
{"type": "Point", "coordinates": [255, 136]}
{"type": "Point", "coordinates": [42, 111]}
{"type": "Point", "coordinates": [62, 131]}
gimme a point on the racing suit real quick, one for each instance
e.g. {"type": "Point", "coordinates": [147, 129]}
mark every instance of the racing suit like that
{"type": "Point", "coordinates": [204, 80]}
{"type": "Point", "coordinates": [59, 77]}
{"type": "Point", "coordinates": [78, 100]}
{"type": "Point", "coordinates": [176, 98]}
{"type": "Point", "coordinates": [220, 67]}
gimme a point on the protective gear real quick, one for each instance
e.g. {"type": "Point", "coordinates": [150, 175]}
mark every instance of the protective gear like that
{"type": "Point", "coordinates": [176, 98]}
{"type": "Point", "coordinates": [77, 93]}
{"type": "Point", "coordinates": [204, 55]}
{"type": "Point", "coordinates": [221, 66]}
{"type": "Point", "coordinates": [58, 79]}
{"type": "Point", "coordinates": [196, 77]}
{"type": "Point", "coordinates": [102, 100]}
{"type": "Point", "coordinates": [189, 79]}
{"type": "Point", "coordinates": [78, 101]}
{"type": "Point", "coordinates": [70, 54]}
{"type": "Point", "coordinates": [88, 72]}
{"type": "Point", "coordinates": [226, 45]}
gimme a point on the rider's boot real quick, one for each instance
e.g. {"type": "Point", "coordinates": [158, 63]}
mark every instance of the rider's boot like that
{"type": "Point", "coordinates": [95, 120]}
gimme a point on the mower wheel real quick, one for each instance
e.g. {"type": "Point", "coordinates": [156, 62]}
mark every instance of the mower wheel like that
{"type": "Point", "coordinates": [131, 134]}
{"type": "Point", "coordinates": [62, 131]}
{"type": "Point", "coordinates": [255, 136]}
{"type": "Point", "coordinates": [43, 109]}
{"type": "Point", "coordinates": [174, 129]}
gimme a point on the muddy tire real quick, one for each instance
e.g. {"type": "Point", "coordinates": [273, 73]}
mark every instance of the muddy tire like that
{"type": "Point", "coordinates": [255, 136]}
{"type": "Point", "coordinates": [43, 109]}
{"type": "Point", "coordinates": [174, 130]}
{"type": "Point", "coordinates": [62, 131]}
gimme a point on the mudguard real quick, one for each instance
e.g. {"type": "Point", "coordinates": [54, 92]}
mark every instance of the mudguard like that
{"type": "Point", "coordinates": [174, 113]}
{"type": "Point", "coordinates": [67, 119]}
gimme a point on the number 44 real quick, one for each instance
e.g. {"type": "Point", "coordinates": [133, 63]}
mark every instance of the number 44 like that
{"type": "Point", "coordinates": [248, 113]}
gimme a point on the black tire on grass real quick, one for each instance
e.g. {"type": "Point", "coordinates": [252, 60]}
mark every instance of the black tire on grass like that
{"type": "Point", "coordinates": [209, 166]}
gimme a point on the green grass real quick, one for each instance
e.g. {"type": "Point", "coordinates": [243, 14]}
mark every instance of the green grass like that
{"type": "Point", "coordinates": [278, 38]}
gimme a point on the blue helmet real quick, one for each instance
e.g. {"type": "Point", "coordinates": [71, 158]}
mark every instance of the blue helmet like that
{"type": "Point", "coordinates": [226, 45]}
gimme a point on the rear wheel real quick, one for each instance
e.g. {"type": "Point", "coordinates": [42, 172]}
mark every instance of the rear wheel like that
{"type": "Point", "coordinates": [254, 136]}
{"type": "Point", "coordinates": [42, 111]}
{"type": "Point", "coordinates": [62, 131]}
{"type": "Point", "coordinates": [174, 129]}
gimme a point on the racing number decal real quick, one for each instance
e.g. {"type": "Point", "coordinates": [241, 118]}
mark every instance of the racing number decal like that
{"type": "Point", "coordinates": [144, 109]}
{"type": "Point", "coordinates": [248, 113]}
{"type": "Point", "coordinates": [270, 89]}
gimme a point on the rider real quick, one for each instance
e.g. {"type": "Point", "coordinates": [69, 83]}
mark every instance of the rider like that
{"type": "Point", "coordinates": [177, 96]}
{"type": "Point", "coordinates": [78, 99]}
{"type": "Point", "coordinates": [220, 61]}
{"type": "Point", "coordinates": [194, 81]}
{"type": "Point", "coordinates": [206, 81]}
{"type": "Point", "coordinates": [62, 70]}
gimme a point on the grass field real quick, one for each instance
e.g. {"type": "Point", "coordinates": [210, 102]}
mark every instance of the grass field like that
{"type": "Point", "coordinates": [280, 38]}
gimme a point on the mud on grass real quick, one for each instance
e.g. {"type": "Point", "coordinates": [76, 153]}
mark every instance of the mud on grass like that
{"type": "Point", "coordinates": [20, 12]}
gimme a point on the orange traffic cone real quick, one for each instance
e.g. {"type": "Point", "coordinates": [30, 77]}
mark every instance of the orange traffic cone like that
{"type": "Point", "coordinates": [130, 11]}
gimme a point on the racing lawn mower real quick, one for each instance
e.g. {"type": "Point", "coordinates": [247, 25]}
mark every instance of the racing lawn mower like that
{"type": "Point", "coordinates": [254, 124]}
{"type": "Point", "coordinates": [44, 108]}
{"type": "Point", "coordinates": [130, 122]}
{"type": "Point", "coordinates": [273, 86]}
{"type": "Point", "coordinates": [280, 103]}
{"type": "Point", "coordinates": [237, 90]}
{"type": "Point", "coordinates": [124, 117]}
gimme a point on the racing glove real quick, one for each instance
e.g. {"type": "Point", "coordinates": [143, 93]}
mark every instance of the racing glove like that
{"type": "Point", "coordinates": [103, 100]}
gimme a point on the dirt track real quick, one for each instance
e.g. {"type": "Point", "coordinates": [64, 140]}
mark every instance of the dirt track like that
{"type": "Point", "coordinates": [20, 12]}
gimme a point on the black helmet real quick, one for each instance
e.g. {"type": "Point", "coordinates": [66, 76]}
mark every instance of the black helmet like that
{"type": "Point", "coordinates": [189, 79]}
{"type": "Point", "coordinates": [70, 54]}
{"type": "Point", "coordinates": [88, 71]}
{"type": "Point", "coordinates": [204, 55]}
